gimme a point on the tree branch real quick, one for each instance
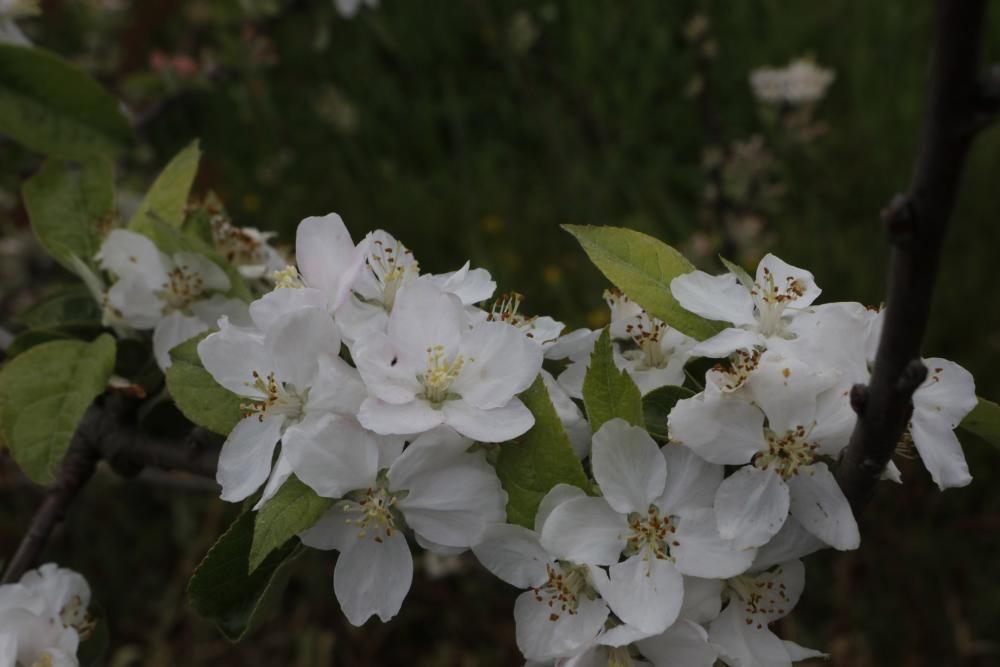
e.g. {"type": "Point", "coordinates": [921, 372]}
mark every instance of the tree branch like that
{"type": "Point", "coordinates": [107, 432]}
{"type": "Point", "coordinates": [958, 104]}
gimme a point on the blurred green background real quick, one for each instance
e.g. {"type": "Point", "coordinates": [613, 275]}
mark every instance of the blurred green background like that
{"type": "Point", "coordinates": [472, 129]}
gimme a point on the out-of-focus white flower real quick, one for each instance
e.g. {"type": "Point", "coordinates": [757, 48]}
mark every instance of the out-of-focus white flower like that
{"type": "Point", "coordinates": [800, 82]}
{"type": "Point", "coordinates": [246, 248]}
{"type": "Point", "coordinates": [350, 8]}
{"type": "Point", "coordinates": [10, 11]}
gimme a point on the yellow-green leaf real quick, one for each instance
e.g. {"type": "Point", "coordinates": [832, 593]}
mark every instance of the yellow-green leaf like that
{"type": "Point", "coordinates": [984, 421]}
{"type": "Point", "coordinates": [197, 395]}
{"type": "Point", "coordinates": [167, 198]}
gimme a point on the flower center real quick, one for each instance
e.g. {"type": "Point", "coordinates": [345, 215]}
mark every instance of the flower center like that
{"type": "Point", "coordinates": [772, 299]}
{"type": "Point", "coordinates": [287, 278]}
{"type": "Point", "coordinates": [280, 398]}
{"type": "Point", "coordinates": [741, 364]}
{"type": "Point", "coordinates": [183, 287]}
{"type": "Point", "coordinates": [75, 615]}
{"type": "Point", "coordinates": [760, 595]}
{"type": "Point", "coordinates": [238, 246]}
{"type": "Point", "coordinates": [787, 453]}
{"type": "Point", "coordinates": [375, 513]}
{"type": "Point", "coordinates": [440, 374]}
{"type": "Point", "coordinates": [391, 264]}
{"type": "Point", "coordinates": [505, 310]}
{"type": "Point", "coordinates": [651, 535]}
{"type": "Point", "coordinates": [562, 592]}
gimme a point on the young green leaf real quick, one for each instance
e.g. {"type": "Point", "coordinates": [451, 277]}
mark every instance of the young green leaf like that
{"type": "Point", "coordinates": [70, 206]}
{"type": "Point", "coordinates": [534, 463]}
{"type": "Point", "coordinates": [294, 508]}
{"type": "Point", "coordinates": [197, 395]}
{"type": "Point", "coordinates": [984, 421]}
{"type": "Point", "coordinates": [69, 303]}
{"type": "Point", "coordinates": [167, 198]}
{"type": "Point", "coordinates": [24, 341]}
{"type": "Point", "coordinates": [43, 395]}
{"type": "Point", "coordinates": [656, 407]}
{"type": "Point", "coordinates": [607, 391]}
{"type": "Point", "coordinates": [745, 279]}
{"type": "Point", "coordinates": [642, 267]}
{"type": "Point", "coordinates": [224, 591]}
{"type": "Point", "coordinates": [55, 108]}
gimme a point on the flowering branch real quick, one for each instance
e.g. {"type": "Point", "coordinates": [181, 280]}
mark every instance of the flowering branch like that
{"type": "Point", "coordinates": [957, 107]}
{"type": "Point", "coordinates": [105, 433]}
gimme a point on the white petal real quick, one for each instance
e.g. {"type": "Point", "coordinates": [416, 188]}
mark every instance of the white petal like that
{"type": "Point", "coordinates": [691, 480]}
{"type": "Point", "coordinates": [424, 317]}
{"type": "Point", "coordinates": [684, 644]}
{"type": "Point", "coordinates": [471, 286]}
{"type": "Point", "coordinates": [298, 341]}
{"type": "Point", "coordinates": [744, 644]}
{"type": "Point", "coordinates": [644, 592]}
{"type": "Point", "coordinates": [332, 530]}
{"type": "Point", "coordinates": [279, 475]}
{"type": "Point", "coordinates": [751, 506]}
{"type": "Point", "coordinates": [820, 506]}
{"type": "Point", "coordinates": [373, 578]}
{"type": "Point", "coordinates": [386, 372]}
{"type": "Point", "coordinates": [405, 419]}
{"type": "Point", "coordinates": [132, 256]}
{"type": "Point", "coordinates": [786, 390]}
{"type": "Point", "coordinates": [628, 466]}
{"type": "Point", "coordinates": [576, 425]}
{"type": "Point", "coordinates": [776, 592]}
{"type": "Point", "coordinates": [232, 355]}
{"type": "Point", "coordinates": [213, 278]}
{"type": "Point", "coordinates": [791, 542]}
{"type": "Point", "coordinates": [939, 405]}
{"type": "Point", "coordinates": [245, 459]}
{"type": "Point", "coordinates": [217, 306]}
{"type": "Point", "coordinates": [719, 429]}
{"type": "Point", "coordinates": [170, 332]}
{"type": "Point", "coordinates": [138, 304]}
{"type": "Point", "coordinates": [276, 305]}
{"type": "Point", "coordinates": [327, 257]}
{"type": "Point", "coordinates": [783, 274]}
{"type": "Point", "coordinates": [702, 599]}
{"type": "Point", "coordinates": [726, 342]}
{"type": "Point", "coordinates": [542, 637]}
{"type": "Point", "coordinates": [331, 454]}
{"type": "Point", "coordinates": [577, 344]}
{"type": "Point", "coordinates": [714, 297]}
{"type": "Point", "coordinates": [702, 552]}
{"type": "Point", "coordinates": [557, 495]}
{"type": "Point", "coordinates": [337, 388]}
{"type": "Point", "coordinates": [499, 363]}
{"type": "Point", "coordinates": [495, 425]}
{"type": "Point", "coordinates": [796, 652]}
{"type": "Point", "coordinates": [585, 530]}
{"type": "Point", "coordinates": [514, 554]}
{"type": "Point", "coordinates": [452, 494]}
{"type": "Point", "coordinates": [940, 450]}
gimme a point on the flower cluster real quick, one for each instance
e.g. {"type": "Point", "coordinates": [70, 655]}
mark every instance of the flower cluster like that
{"type": "Point", "coordinates": [389, 390]}
{"type": "Point", "coordinates": [43, 618]}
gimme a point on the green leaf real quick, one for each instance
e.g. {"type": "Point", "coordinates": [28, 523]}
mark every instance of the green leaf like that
{"type": "Point", "coordinates": [55, 108]}
{"type": "Point", "coordinates": [26, 340]}
{"type": "Point", "coordinates": [70, 205]}
{"type": "Point", "coordinates": [197, 395]}
{"type": "Point", "coordinates": [984, 421]}
{"type": "Point", "coordinates": [71, 303]}
{"type": "Point", "coordinates": [225, 592]}
{"type": "Point", "coordinates": [642, 267]}
{"type": "Point", "coordinates": [294, 508]}
{"type": "Point", "coordinates": [44, 393]}
{"type": "Point", "coordinates": [167, 199]}
{"type": "Point", "coordinates": [656, 407]}
{"type": "Point", "coordinates": [171, 240]}
{"type": "Point", "coordinates": [608, 392]}
{"type": "Point", "coordinates": [745, 278]}
{"type": "Point", "coordinates": [534, 463]}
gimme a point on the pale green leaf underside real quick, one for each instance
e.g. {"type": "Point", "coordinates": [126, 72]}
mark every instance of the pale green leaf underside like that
{"type": "Point", "coordinates": [167, 199]}
{"type": "Point", "coordinates": [293, 509]}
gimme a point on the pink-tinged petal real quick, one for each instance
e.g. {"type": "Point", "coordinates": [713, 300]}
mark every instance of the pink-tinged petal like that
{"type": "Point", "coordinates": [720, 298]}
{"type": "Point", "coordinates": [327, 257]}
{"type": "Point", "coordinates": [628, 466]}
{"type": "Point", "coordinates": [585, 530]}
{"type": "Point", "coordinates": [496, 425]}
{"type": "Point", "coordinates": [373, 576]}
{"type": "Point", "coordinates": [402, 419]}
{"type": "Point", "coordinates": [500, 362]}
{"type": "Point", "coordinates": [700, 551]}
{"type": "Point", "coordinates": [718, 429]}
{"type": "Point", "coordinates": [644, 592]}
{"type": "Point", "coordinates": [684, 644]}
{"type": "Point", "coordinates": [751, 506]}
{"type": "Point", "coordinates": [820, 506]}
{"type": "Point", "coordinates": [245, 459]}
{"type": "Point", "coordinates": [331, 454]}
{"type": "Point", "coordinates": [543, 634]}
{"type": "Point", "coordinates": [514, 554]}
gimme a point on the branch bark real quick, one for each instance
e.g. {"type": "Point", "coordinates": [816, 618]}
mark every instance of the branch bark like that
{"type": "Point", "coordinates": [958, 105]}
{"type": "Point", "coordinates": [107, 432]}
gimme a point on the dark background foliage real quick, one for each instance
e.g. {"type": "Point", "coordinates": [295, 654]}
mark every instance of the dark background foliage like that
{"type": "Point", "coordinates": [473, 129]}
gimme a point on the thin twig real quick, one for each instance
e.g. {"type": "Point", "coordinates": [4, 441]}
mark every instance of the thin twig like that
{"type": "Point", "coordinates": [916, 223]}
